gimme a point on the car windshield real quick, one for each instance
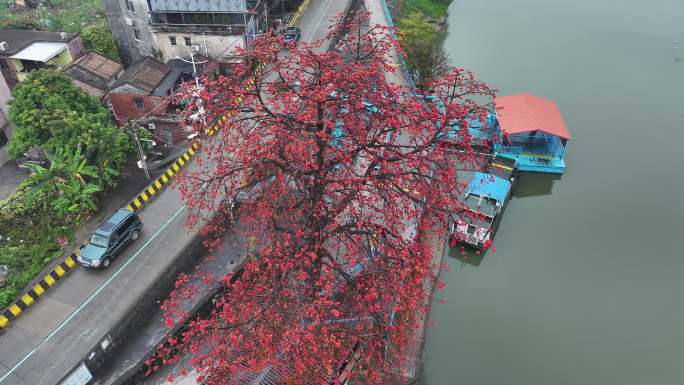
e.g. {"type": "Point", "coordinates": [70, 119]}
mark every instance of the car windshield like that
{"type": "Point", "coordinates": [98, 240]}
{"type": "Point", "coordinates": [290, 35]}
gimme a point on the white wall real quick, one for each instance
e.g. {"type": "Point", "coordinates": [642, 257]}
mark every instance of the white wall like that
{"type": "Point", "coordinates": [216, 46]}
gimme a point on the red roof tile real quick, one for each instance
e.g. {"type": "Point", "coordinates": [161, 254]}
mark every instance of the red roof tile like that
{"type": "Point", "coordinates": [525, 113]}
{"type": "Point", "coordinates": [127, 107]}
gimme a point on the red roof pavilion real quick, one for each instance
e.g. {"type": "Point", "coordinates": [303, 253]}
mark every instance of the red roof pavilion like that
{"type": "Point", "coordinates": [525, 113]}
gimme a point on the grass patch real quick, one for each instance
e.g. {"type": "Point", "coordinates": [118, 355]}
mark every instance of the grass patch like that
{"type": "Point", "coordinates": [431, 8]}
{"type": "Point", "coordinates": [64, 15]}
{"type": "Point", "coordinates": [29, 243]}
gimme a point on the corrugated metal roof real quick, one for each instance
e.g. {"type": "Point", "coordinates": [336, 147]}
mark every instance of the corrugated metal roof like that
{"type": "Point", "coordinates": [18, 39]}
{"type": "Point", "coordinates": [525, 113]}
{"type": "Point", "coordinates": [41, 51]}
{"type": "Point", "coordinates": [198, 5]}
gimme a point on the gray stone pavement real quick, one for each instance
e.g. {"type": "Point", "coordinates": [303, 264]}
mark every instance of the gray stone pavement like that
{"type": "Point", "coordinates": [52, 336]}
{"type": "Point", "coordinates": [10, 178]}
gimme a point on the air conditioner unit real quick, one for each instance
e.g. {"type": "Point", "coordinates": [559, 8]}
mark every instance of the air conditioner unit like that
{"type": "Point", "coordinates": [195, 48]}
{"type": "Point", "coordinates": [4, 46]}
{"type": "Point", "coordinates": [128, 21]}
{"type": "Point", "coordinates": [63, 35]}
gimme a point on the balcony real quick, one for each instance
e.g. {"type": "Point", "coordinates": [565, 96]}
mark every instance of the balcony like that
{"type": "Point", "coordinates": [214, 23]}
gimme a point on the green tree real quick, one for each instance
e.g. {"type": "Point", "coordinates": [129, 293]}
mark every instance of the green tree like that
{"type": "Point", "coordinates": [39, 106]}
{"type": "Point", "coordinates": [51, 113]}
{"type": "Point", "coordinates": [99, 38]}
{"type": "Point", "coordinates": [424, 52]}
{"type": "Point", "coordinates": [430, 8]}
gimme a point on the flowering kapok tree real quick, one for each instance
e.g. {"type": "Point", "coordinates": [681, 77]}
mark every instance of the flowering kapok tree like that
{"type": "Point", "coordinates": [342, 182]}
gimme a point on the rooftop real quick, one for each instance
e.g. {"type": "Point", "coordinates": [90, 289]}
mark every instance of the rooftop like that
{"type": "Point", "coordinates": [198, 6]}
{"type": "Point", "coordinates": [489, 186]}
{"type": "Point", "coordinates": [96, 64]}
{"type": "Point", "coordinates": [526, 113]}
{"type": "Point", "coordinates": [180, 71]}
{"type": "Point", "coordinates": [127, 107]}
{"type": "Point", "coordinates": [40, 51]}
{"type": "Point", "coordinates": [17, 39]}
{"type": "Point", "coordinates": [144, 75]}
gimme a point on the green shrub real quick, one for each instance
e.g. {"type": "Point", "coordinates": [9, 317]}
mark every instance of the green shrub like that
{"type": "Point", "coordinates": [432, 8]}
{"type": "Point", "coordinates": [8, 295]}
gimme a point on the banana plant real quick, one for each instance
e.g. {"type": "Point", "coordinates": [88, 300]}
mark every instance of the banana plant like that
{"type": "Point", "coordinates": [69, 184]}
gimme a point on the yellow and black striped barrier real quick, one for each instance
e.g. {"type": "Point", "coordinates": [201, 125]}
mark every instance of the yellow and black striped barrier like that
{"type": "Point", "coordinates": [28, 299]}
{"type": "Point", "coordinates": [298, 14]}
{"type": "Point", "coordinates": [144, 197]}
{"type": "Point", "coordinates": [164, 179]}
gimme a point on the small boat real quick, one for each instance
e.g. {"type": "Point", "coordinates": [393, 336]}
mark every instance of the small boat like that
{"type": "Point", "coordinates": [485, 200]}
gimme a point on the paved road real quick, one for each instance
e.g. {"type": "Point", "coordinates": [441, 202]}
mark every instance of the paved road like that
{"type": "Point", "coordinates": [52, 336]}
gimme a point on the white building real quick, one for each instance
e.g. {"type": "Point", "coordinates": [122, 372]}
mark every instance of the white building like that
{"type": "Point", "coordinates": [167, 29]}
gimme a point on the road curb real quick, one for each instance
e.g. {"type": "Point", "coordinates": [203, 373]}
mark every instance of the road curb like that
{"type": "Point", "coordinates": [13, 311]}
{"type": "Point", "coordinates": [149, 193]}
{"type": "Point", "coordinates": [136, 204]}
{"type": "Point", "coordinates": [30, 297]}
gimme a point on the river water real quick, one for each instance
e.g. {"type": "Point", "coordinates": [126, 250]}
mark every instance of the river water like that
{"type": "Point", "coordinates": [587, 284]}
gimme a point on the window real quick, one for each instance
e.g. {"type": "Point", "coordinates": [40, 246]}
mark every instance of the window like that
{"type": "Point", "coordinates": [3, 65]}
{"type": "Point", "coordinates": [198, 18]}
{"type": "Point", "coordinates": [228, 18]}
{"type": "Point", "coordinates": [3, 139]}
{"type": "Point", "coordinates": [98, 240]}
{"type": "Point", "coordinates": [187, 41]}
{"type": "Point", "coordinates": [136, 32]}
{"type": "Point", "coordinates": [172, 39]}
{"type": "Point", "coordinates": [129, 6]}
{"type": "Point", "coordinates": [128, 223]}
{"type": "Point", "coordinates": [139, 103]}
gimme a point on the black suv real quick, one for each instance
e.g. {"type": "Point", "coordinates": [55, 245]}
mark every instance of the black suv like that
{"type": "Point", "coordinates": [110, 239]}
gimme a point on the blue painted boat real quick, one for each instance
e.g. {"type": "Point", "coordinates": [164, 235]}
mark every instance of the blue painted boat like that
{"type": "Point", "coordinates": [485, 200]}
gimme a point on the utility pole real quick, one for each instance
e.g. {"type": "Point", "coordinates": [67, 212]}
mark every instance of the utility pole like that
{"type": "Point", "coordinates": [197, 83]}
{"type": "Point", "coordinates": [132, 129]}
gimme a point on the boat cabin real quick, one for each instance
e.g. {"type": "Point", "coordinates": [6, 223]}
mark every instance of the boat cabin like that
{"type": "Point", "coordinates": [532, 132]}
{"type": "Point", "coordinates": [484, 201]}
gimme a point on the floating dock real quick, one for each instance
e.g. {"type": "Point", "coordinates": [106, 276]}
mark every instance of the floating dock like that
{"type": "Point", "coordinates": [531, 130]}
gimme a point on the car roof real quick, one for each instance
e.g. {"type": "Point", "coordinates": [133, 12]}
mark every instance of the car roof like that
{"type": "Point", "coordinates": [291, 29]}
{"type": "Point", "coordinates": [119, 216]}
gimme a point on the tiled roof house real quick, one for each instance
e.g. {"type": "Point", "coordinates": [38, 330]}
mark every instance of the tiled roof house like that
{"type": "Point", "coordinates": [94, 73]}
